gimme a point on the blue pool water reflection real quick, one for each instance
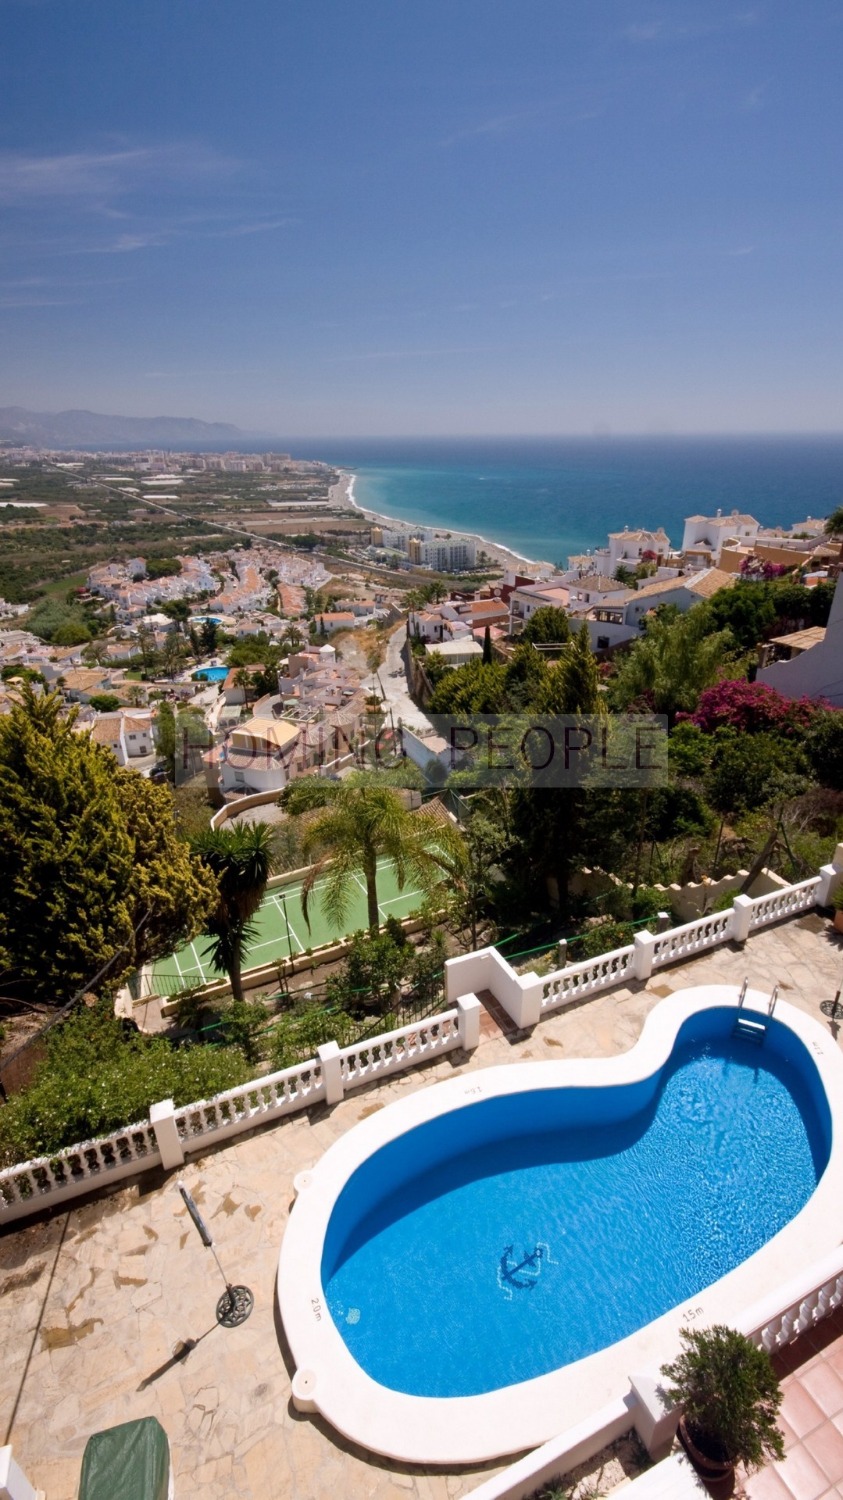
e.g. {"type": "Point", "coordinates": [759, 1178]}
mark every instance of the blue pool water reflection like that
{"type": "Point", "coordinates": [515, 1235]}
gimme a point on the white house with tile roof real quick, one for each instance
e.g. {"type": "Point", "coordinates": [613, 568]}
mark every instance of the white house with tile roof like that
{"type": "Point", "coordinates": [616, 621]}
{"type": "Point", "coordinates": [711, 532]}
{"type": "Point", "coordinates": [815, 672]}
{"type": "Point", "coordinates": [128, 734]}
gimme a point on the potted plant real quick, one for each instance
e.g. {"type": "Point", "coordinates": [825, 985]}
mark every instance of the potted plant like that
{"type": "Point", "coordinates": [837, 903]}
{"type": "Point", "coordinates": [730, 1397]}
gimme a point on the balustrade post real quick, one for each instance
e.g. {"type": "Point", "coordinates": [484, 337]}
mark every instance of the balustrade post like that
{"type": "Point", "coordinates": [14, 1484]}
{"type": "Point", "coordinates": [331, 1064]}
{"type": "Point", "coordinates": [662, 921]}
{"type": "Point", "coordinates": [469, 1008]}
{"type": "Point", "coordinates": [741, 916]}
{"type": "Point", "coordinates": [829, 878]}
{"type": "Point", "coordinates": [162, 1118]}
{"type": "Point", "coordinates": [642, 958]}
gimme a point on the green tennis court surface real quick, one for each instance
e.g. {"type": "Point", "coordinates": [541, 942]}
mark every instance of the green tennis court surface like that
{"type": "Point", "coordinates": [280, 930]}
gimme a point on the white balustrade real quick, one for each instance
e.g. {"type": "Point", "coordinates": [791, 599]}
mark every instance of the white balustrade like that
{"type": "Point", "coordinates": [566, 986]}
{"type": "Point", "coordinates": [787, 902]}
{"type": "Point", "coordinates": [692, 937]}
{"type": "Point", "coordinates": [75, 1170]}
{"type": "Point", "coordinates": [395, 1050]}
{"type": "Point", "coordinates": [814, 1295]}
{"type": "Point", "coordinates": [250, 1104]}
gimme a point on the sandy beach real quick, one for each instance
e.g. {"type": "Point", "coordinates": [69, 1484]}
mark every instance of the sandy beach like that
{"type": "Point", "coordinates": [341, 497]}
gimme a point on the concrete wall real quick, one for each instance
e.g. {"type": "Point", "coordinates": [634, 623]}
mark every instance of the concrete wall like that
{"type": "Point", "coordinates": [687, 901]}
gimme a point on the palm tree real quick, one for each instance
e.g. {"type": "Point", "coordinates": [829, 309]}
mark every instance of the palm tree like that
{"type": "Point", "coordinates": [241, 859]}
{"type": "Point", "coordinates": [834, 525]}
{"type": "Point", "coordinates": [292, 640]}
{"type": "Point", "coordinates": [95, 654]}
{"type": "Point", "coordinates": [360, 824]}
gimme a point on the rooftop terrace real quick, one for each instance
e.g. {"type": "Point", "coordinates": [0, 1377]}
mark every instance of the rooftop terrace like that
{"type": "Point", "coordinates": [99, 1297]}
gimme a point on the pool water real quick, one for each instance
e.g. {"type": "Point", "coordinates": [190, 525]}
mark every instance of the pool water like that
{"type": "Point", "coordinates": [211, 674]}
{"type": "Point", "coordinates": [503, 1240]}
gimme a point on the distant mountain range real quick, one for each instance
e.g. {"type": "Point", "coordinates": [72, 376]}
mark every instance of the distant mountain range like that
{"type": "Point", "coordinates": [90, 429]}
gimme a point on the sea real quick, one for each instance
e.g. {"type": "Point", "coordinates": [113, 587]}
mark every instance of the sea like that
{"type": "Point", "coordinates": [546, 498]}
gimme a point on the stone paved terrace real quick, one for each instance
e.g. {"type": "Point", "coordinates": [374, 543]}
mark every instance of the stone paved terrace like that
{"type": "Point", "coordinates": [95, 1300]}
{"type": "Point", "coordinates": [811, 1419]}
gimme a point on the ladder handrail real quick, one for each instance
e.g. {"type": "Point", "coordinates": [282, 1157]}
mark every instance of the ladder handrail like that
{"type": "Point", "coordinates": [773, 998]}
{"type": "Point", "coordinates": [742, 995]}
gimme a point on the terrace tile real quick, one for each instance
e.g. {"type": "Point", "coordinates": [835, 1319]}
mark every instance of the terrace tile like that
{"type": "Point", "coordinates": [803, 1478]}
{"type": "Point", "coordinates": [826, 1387]}
{"type": "Point", "coordinates": [801, 1411]}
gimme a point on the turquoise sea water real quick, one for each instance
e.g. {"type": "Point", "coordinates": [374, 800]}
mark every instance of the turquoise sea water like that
{"type": "Point", "coordinates": [546, 498]}
{"type": "Point", "coordinates": [525, 1232]}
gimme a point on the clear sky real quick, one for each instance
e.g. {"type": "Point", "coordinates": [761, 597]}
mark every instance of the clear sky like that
{"type": "Point", "coordinates": [425, 216]}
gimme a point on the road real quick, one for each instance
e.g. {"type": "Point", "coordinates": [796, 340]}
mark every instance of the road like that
{"type": "Point", "coordinates": [395, 687]}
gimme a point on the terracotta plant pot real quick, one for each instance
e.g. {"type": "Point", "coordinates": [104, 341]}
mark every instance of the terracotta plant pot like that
{"type": "Point", "coordinates": [714, 1471]}
{"type": "Point", "coordinates": [838, 920]}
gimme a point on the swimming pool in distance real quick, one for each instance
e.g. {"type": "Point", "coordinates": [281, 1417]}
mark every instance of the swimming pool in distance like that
{"type": "Point", "coordinates": [498, 1238]}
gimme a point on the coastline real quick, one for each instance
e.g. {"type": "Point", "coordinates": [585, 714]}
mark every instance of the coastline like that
{"type": "Point", "coordinates": [503, 557]}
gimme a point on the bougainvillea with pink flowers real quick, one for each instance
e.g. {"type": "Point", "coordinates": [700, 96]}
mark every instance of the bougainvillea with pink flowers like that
{"type": "Point", "coordinates": [751, 708]}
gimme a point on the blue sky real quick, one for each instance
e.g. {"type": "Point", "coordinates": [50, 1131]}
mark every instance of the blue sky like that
{"type": "Point", "coordinates": [425, 216]}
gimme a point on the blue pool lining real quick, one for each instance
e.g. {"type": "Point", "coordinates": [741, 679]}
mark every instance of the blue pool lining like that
{"type": "Point", "coordinates": [462, 1429]}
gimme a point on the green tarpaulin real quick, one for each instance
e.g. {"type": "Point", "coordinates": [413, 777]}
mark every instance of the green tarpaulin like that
{"type": "Point", "coordinates": [129, 1462]}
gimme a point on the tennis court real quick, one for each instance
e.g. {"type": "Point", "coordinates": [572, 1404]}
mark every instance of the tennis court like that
{"type": "Point", "coordinates": [280, 930]}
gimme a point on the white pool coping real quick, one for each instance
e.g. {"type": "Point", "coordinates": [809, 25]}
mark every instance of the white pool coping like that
{"type": "Point", "coordinates": [467, 1429]}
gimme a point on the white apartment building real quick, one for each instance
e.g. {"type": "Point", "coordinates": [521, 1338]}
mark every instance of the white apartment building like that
{"type": "Point", "coordinates": [392, 539]}
{"type": "Point", "coordinates": [444, 556]}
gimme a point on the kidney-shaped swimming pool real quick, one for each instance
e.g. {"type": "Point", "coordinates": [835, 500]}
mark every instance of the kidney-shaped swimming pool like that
{"type": "Point", "coordinates": [521, 1232]}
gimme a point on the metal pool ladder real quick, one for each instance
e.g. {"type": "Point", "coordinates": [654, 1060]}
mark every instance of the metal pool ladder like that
{"type": "Point", "coordinates": [753, 1028]}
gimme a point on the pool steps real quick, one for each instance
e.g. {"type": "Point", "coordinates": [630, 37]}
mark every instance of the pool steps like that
{"type": "Point", "coordinates": [751, 1029]}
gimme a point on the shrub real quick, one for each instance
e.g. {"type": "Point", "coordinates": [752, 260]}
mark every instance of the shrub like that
{"type": "Point", "coordinates": [647, 902]}
{"type": "Point", "coordinates": [373, 970]}
{"type": "Point", "coordinates": [825, 748]}
{"type": "Point", "coordinates": [427, 967]}
{"type": "Point", "coordinates": [394, 930]}
{"type": "Point", "coordinates": [243, 1024]}
{"type": "Point", "coordinates": [297, 1036]}
{"type": "Point", "coordinates": [602, 938]}
{"type": "Point", "coordinates": [730, 1395]}
{"type": "Point", "coordinates": [94, 1080]}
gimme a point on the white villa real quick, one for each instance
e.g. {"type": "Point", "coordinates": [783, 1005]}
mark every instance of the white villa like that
{"type": "Point", "coordinates": [129, 733]}
{"type": "Point", "coordinates": [619, 619]}
{"type": "Point", "coordinates": [257, 756]}
{"type": "Point", "coordinates": [809, 663]}
{"type": "Point", "coordinates": [707, 535]}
